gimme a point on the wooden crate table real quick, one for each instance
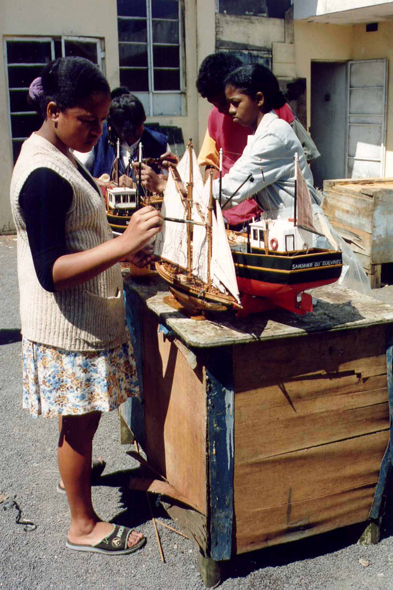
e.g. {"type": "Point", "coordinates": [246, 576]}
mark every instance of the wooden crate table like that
{"type": "Point", "coordinates": [272, 428]}
{"type": "Point", "coordinates": [361, 210]}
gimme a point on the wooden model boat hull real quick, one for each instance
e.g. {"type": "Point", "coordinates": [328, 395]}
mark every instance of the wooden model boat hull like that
{"type": "Point", "coordinates": [277, 274]}
{"type": "Point", "coordinates": [118, 223]}
{"type": "Point", "coordinates": [193, 294]}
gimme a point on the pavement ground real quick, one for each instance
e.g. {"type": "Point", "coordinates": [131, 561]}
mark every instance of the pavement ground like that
{"type": "Point", "coordinates": [39, 559]}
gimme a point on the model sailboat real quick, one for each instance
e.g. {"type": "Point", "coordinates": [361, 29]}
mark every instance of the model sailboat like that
{"type": "Point", "coordinates": [122, 202]}
{"type": "Point", "coordinates": [195, 255]}
{"type": "Point", "coordinates": [278, 259]}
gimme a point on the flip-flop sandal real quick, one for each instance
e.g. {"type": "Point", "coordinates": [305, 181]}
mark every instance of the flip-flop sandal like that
{"type": "Point", "coordinates": [113, 544]}
{"type": "Point", "coordinates": [97, 467]}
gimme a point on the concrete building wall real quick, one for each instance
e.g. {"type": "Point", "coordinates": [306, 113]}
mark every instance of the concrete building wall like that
{"type": "Point", "coordinates": [249, 31]}
{"type": "Point", "coordinates": [310, 8]}
{"type": "Point", "coordinates": [320, 42]}
{"type": "Point", "coordinates": [323, 42]}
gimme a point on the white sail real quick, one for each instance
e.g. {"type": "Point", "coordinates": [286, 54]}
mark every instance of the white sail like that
{"type": "Point", "coordinates": [222, 268]}
{"type": "Point", "coordinates": [199, 240]}
{"type": "Point", "coordinates": [171, 243]}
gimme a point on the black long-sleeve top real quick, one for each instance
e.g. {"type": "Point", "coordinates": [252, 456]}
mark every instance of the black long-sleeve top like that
{"type": "Point", "coordinates": [45, 200]}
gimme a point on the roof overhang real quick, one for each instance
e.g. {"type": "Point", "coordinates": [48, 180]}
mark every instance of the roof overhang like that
{"type": "Point", "coordinates": [343, 12]}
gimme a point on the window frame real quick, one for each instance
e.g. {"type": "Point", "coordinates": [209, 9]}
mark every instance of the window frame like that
{"type": "Point", "coordinates": [99, 41]}
{"type": "Point", "coordinates": [150, 58]}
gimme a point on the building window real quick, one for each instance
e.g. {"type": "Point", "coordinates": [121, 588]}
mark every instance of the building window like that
{"type": "Point", "coordinates": [150, 55]}
{"type": "Point", "coordinates": [267, 8]}
{"type": "Point", "coordinates": [244, 8]}
{"type": "Point", "coordinates": [25, 58]}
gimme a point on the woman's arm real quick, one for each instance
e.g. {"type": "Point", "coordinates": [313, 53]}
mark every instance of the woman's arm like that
{"type": "Point", "coordinates": [75, 269]}
{"type": "Point", "coordinates": [45, 200]}
{"type": "Point", "coordinates": [264, 161]}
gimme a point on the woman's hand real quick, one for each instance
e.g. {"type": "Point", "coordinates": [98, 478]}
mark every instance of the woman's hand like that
{"type": "Point", "coordinates": [126, 181]}
{"type": "Point", "coordinates": [150, 180]}
{"type": "Point", "coordinates": [77, 268]}
{"type": "Point", "coordinates": [143, 257]}
{"type": "Point", "coordinates": [169, 159]}
{"type": "Point", "coordinates": [144, 225]}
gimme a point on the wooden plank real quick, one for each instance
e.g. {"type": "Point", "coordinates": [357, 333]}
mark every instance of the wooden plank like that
{"type": "Point", "coordinates": [318, 392]}
{"type": "Point", "coordinates": [282, 430]}
{"type": "Point", "coordinates": [175, 415]}
{"type": "Point", "coordinates": [263, 527]}
{"type": "Point", "coordinates": [192, 523]}
{"type": "Point", "coordinates": [360, 182]}
{"type": "Point", "coordinates": [338, 309]}
{"type": "Point", "coordinates": [360, 241]}
{"type": "Point", "coordinates": [220, 449]}
{"type": "Point", "coordinates": [306, 475]}
{"type": "Point", "coordinates": [352, 210]}
{"type": "Point", "coordinates": [375, 276]}
{"type": "Point", "coordinates": [268, 363]}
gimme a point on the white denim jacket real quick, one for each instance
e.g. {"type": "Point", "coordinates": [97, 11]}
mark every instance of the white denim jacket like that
{"type": "Point", "coordinates": [269, 158]}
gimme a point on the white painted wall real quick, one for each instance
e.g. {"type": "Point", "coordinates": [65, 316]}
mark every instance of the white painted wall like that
{"type": "Point", "coordinates": [309, 8]}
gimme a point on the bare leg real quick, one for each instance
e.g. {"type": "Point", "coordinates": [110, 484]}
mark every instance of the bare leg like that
{"type": "Point", "coordinates": [74, 456]}
{"type": "Point", "coordinates": [60, 427]}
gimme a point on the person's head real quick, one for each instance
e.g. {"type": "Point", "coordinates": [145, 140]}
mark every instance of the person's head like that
{"type": "Point", "coordinates": [119, 91]}
{"type": "Point", "coordinates": [127, 116]}
{"type": "Point", "coordinates": [252, 91]}
{"type": "Point", "coordinates": [211, 78]}
{"type": "Point", "coordinates": [73, 97]}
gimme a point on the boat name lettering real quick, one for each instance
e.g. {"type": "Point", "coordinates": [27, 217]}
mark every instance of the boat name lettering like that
{"type": "Point", "coordinates": [315, 264]}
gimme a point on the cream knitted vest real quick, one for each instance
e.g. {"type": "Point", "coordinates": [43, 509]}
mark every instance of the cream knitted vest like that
{"type": "Point", "coordinates": [87, 317]}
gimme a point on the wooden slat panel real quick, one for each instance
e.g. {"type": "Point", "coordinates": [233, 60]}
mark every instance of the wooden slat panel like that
{"type": "Point", "coordinates": [352, 210]}
{"type": "Point", "coordinates": [262, 528]}
{"type": "Point", "coordinates": [360, 241]}
{"type": "Point", "coordinates": [278, 431]}
{"type": "Point", "coordinates": [175, 415]}
{"type": "Point", "coordinates": [318, 392]}
{"type": "Point", "coordinates": [382, 246]}
{"type": "Point", "coordinates": [269, 363]}
{"type": "Point", "coordinates": [309, 474]}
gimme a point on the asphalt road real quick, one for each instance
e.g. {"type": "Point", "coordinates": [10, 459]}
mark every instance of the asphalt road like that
{"type": "Point", "coordinates": [38, 559]}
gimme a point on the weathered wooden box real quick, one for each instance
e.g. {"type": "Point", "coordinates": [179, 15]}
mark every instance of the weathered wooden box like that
{"type": "Point", "coordinates": [274, 427]}
{"type": "Point", "coordinates": [361, 212]}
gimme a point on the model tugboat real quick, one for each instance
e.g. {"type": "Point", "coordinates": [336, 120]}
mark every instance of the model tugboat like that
{"type": "Point", "coordinates": [122, 202]}
{"type": "Point", "coordinates": [279, 259]}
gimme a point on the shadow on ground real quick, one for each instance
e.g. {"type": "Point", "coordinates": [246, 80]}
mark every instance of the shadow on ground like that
{"type": "Point", "coordinates": [135, 503]}
{"type": "Point", "coordinates": [10, 336]}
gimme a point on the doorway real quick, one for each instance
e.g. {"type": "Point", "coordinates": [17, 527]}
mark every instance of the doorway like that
{"type": "Point", "coordinates": [348, 118]}
{"type": "Point", "coordinates": [329, 119]}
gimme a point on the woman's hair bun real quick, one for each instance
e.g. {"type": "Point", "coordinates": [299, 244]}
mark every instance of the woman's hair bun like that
{"type": "Point", "coordinates": [36, 90]}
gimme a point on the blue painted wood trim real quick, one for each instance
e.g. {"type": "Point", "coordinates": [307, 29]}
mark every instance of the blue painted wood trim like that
{"type": "Point", "coordinates": [133, 411]}
{"type": "Point", "coordinates": [387, 460]}
{"type": "Point", "coordinates": [220, 434]}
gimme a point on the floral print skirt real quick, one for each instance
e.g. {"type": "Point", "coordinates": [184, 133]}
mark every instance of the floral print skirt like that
{"type": "Point", "coordinates": [59, 382]}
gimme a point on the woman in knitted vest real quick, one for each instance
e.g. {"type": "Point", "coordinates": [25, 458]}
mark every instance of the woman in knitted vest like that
{"type": "Point", "coordinates": [77, 356]}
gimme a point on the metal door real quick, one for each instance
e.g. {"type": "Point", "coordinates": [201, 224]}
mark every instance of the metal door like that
{"type": "Point", "coordinates": [366, 118]}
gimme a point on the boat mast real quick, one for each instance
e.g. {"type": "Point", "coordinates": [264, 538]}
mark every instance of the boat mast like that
{"type": "Point", "coordinates": [210, 232]}
{"type": "Point", "coordinates": [139, 183]}
{"type": "Point", "coordinates": [189, 212]}
{"type": "Point", "coordinates": [295, 195]}
{"type": "Point", "coordinates": [118, 160]}
{"type": "Point", "coordinates": [220, 182]}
